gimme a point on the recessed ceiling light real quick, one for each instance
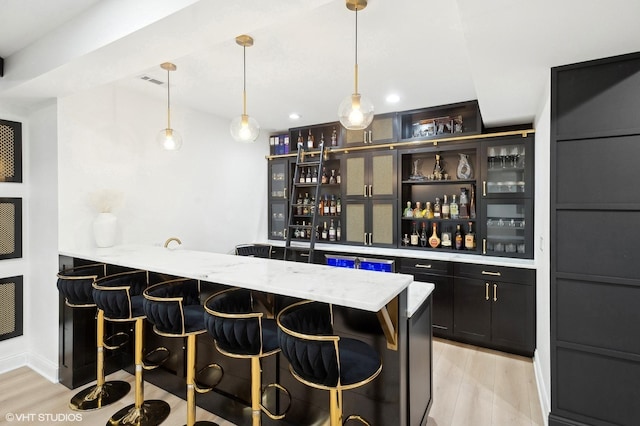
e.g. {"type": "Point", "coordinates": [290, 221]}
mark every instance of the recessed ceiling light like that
{"type": "Point", "coordinates": [294, 116]}
{"type": "Point", "coordinates": [393, 98]}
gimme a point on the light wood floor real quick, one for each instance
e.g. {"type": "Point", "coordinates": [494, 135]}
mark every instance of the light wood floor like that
{"type": "Point", "coordinates": [471, 385]}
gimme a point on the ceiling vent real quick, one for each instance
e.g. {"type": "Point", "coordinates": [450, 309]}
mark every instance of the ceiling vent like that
{"type": "Point", "coordinates": [151, 80]}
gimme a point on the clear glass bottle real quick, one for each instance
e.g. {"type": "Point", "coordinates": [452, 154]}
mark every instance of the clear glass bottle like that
{"type": "Point", "coordinates": [334, 137]}
{"type": "Point", "coordinates": [325, 231]}
{"type": "Point", "coordinates": [299, 207]}
{"type": "Point", "coordinates": [326, 205]}
{"type": "Point", "coordinates": [332, 178]}
{"type": "Point", "coordinates": [338, 231]}
{"type": "Point", "coordinates": [338, 206]}
{"type": "Point", "coordinates": [472, 202]}
{"type": "Point", "coordinates": [429, 209]}
{"type": "Point", "coordinates": [414, 234]}
{"type": "Point", "coordinates": [338, 178]}
{"type": "Point", "coordinates": [417, 212]}
{"type": "Point", "coordinates": [423, 235]}
{"type": "Point", "coordinates": [445, 208]}
{"type": "Point", "coordinates": [437, 209]}
{"type": "Point", "coordinates": [332, 232]}
{"type": "Point", "coordinates": [305, 204]}
{"type": "Point", "coordinates": [314, 175]}
{"type": "Point", "coordinates": [408, 211]}
{"type": "Point", "coordinates": [454, 211]}
{"type": "Point", "coordinates": [310, 141]}
{"type": "Point", "coordinates": [302, 175]}
{"type": "Point", "coordinates": [333, 206]}
{"type": "Point", "coordinates": [464, 204]}
{"type": "Point", "coordinates": [307, 177]}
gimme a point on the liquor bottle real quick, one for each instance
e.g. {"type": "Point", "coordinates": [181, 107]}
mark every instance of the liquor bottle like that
{"type": "Point", "coordinates": [334, 138]}
{"type": "Point", "coordinates": [325, 231]}
{"type": "Point", "coordinates": [312, 206]}
{"type": "Point", "coordinates": [325, 205]}
{"type": "Point", "coordinates": [302, 230]}
{"type": "Point", "coordinates": [338, 206]}
{"type": "Point", "coordinates": [296, 233]}
{"type": "Point", "coordinates": [472, 202]}
{"type": "Point", "coordinates": [437, 212]}
{"type": "Point", "coordinates": [314, 175]}
{"type": "Point", "coordinates": [438, 170]}
{"type": "Point", "coordinates": [305, 204]}
{"type": "Point", "coordinates": [307, 177]}
{"type": "Point", "coordinates": [470, 238]}
{"type": "Point", "coordinates": [459, 239]}
{"type": "Point", "coordinates": [417, 212]}
{"type": "Point", "coordinates": [338, 179]}
{"type": "Point", "coordinates": [423, 235]}
{"type": "Point", "coordinates": [434, 241]}
{"type": "Point", "coordinates": [300, 140]}
{"type": "Point", "coordinates": [405, 240]}
{"type": "Point", "coordinates": [332, 232]}
{"type": "Point", "coordinates": [414, 234]}
{"type": "Point", "coordinates": [286, 144]}
{"type": "Point", "coordinates": [338, 231]}
{"type": "Point", "coordinates": [408, 211]}
{"type": "Point", "coordinates": [445, 208]}
{"type": "Point", "coordinates": [332, 178]}
{"type": "Point", "coordinates": [302, 175]}
{"type": "Point", "coordinates": [454, 211]}
{"type": "Point", "coordinates": [321, 139]}
{"type": "Point", "coordinates": [324, 178]}
{"type": "Point", "coordinates": [332, 206]}
{"type": "Point", "coordinates": [445, 237]}
{"type": "Point", "coordinates": [321, 206]}
{"type": "Point", "coordinates": [429, 209]}
{"type": "Point", "coordinates": [310, 140]}
{"type": "Point", "coordinates": [464, 204]}
{"type": "Point", "coordinates": [299, 207]}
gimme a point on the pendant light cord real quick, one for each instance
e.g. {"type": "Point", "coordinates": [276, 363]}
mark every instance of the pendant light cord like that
{"type": "Point", "coordinates": [168, 99]}
{"type": "Point", "coordinates": [244, 80]}
{"type": "Point", "coordinates": [356, 62]}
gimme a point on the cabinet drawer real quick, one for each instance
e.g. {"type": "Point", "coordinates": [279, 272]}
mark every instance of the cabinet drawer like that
{"type": "Point", "coordinates": [425, 266]}
{"type": "Point", "coordinates": [495, 273]}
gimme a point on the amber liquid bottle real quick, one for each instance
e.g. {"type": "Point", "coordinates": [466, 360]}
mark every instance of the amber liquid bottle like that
{"type": "Point", "coordinates": [459, 240]}
{"type": "Point", "coordinates": [470, 238]}
{"type": "Point", "coordinates": [434, 240]}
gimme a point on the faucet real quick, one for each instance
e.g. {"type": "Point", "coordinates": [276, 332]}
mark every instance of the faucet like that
{"type": "Point", "coordinates": [176, 239]}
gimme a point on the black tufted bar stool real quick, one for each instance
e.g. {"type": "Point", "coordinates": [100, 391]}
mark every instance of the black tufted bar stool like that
{"type": "Point", "coordinates": [76, 286]}
{"type": "Point", "coordinates": [174, 309]}
{"type": "Point", "coordinates": [239, 331]}
{"type": "Point", "coordinates": [320, 359]}
{"type": "Point", "coordinates": [254, 250]}
{"type": "Point", "coordinates": [120, 297]}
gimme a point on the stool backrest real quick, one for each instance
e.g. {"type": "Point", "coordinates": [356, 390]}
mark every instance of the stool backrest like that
{"type": "Point", "coordinates": [232, 322]}
{"type": "Point", "coordinates": [305, 334]}
{"type": "Point", "coordinates": [254, 250]}
{"type": "Point", "coordinates": [75, 284]}
{"type": "Point", "coordinates": [114, 293]}
{"type": "Point", "coordinates": [164, 304]}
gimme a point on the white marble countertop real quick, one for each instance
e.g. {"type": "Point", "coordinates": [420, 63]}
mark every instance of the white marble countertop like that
{"type": "Point", "coordinates": [359, 289]}
{"type": "Point", "coordinates": [417, 294]}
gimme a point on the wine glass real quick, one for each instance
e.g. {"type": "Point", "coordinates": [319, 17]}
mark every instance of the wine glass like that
{"type": "Point", "coordinates": [492, 157]}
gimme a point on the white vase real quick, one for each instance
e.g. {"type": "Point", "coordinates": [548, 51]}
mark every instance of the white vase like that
{"type": "Point", "coordinates": [105, 226]}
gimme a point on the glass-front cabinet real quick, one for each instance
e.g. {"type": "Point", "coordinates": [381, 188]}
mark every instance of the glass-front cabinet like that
{"type": "Point", "coordinates": [508, 228]}
{"type": "Point", "coordinates": [279, 187]}
{"type": "Point", "coordinates": [507, 167]}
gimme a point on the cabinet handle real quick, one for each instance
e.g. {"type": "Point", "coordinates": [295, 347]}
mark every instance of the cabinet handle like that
{"type": "Point", "coordinates": [370, 239]}
{"type": "Point", "coordinates": [370, 190]}
{"type": "Point", "coordinates": [285, 233]}
{"type": "Point", "coordinates": [493, 274]}
{"type": "Point", "coordinates": [285, 192]}
{"type": "Point", "coordinates": [365, 239]}
{"type": "Point", "coordinates": [484, 188]}
{"type": "Point", "coordinates": [484, 246]}
{"type": "Point", "coordinates": [370, 137]}
{"type": "Point", "coordinates": [364, 136]}
{"type": "Point", "coordinates": [495, 292]}
{"type": "Point", "coordinates": [486, 291]}
{"type": "Point", "coordinates": [304, 254]}
{"type": "Point", "coordinates": [422, 265]}
{"type": "Point", "coordinates": [364, 191]}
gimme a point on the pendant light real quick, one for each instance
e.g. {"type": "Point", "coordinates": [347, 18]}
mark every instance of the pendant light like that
{"type": "Point", "coordinates": [244, 128]}
{"type": "Point", "coordinates": [356, 111]}
{"type": "Point", "coordinates": [169, 138]}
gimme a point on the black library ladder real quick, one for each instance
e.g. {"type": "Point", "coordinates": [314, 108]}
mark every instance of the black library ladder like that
{"type": "Point", "coordinates": [302, 228]}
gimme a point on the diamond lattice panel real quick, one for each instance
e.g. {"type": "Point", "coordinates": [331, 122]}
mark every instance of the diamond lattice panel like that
{"type": "Point", "coordinates": [10, 151]}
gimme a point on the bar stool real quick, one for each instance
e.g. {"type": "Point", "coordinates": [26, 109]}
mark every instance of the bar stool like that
{"type": "Point", "coordinates": [120, 297]}
{"type": "Point", "coordinates": [239, 331]}
{"type": "Point", "coordinates": [254, 250]}
{"type": "Point", "coordinates": [174, 309]}
{"type": "Point", "coordinates": [322, 360]}
{"type": "Point", "coordinates": [75, 284]}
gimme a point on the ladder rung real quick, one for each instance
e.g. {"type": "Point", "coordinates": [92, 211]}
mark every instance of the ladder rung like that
{"type": "Point", "coordinates": [308, 163]}
{"type": "Point", "coordinates": [296, 248]}
{"type": "Point", "coordinates": [303, 185]}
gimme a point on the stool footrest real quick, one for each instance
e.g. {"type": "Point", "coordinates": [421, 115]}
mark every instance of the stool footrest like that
{"type": "Point", "coordinates": [155, 358]}
{"type": "Point", "coordinates": [208, 378]}
{"type": "Point", "coordinates": [116, 341]}
{"type": "Point", "coordinates": [266, 410]}
{"type": "Point", "coordinates": [356, 417]}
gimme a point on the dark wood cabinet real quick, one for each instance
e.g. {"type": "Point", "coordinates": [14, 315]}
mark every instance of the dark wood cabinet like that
{"type": "Point", "coordinates": [495, 307]}
{"type": "Point", "coordinates": [370, 198]}
{"type": "Point", "coordinates": [594, 287]}
{"type": "Point", "coordinates": [382, 129]}
{"type": "Point", "coordinates": [439, 273]}
{"type": "Point", "coordinates": [280, 176]}
{"type": "Point", "coordinates": [460, 119]}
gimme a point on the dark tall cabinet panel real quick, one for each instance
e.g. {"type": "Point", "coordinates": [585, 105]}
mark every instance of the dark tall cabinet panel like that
{"type": "Point", "coordinates": [595, 211]}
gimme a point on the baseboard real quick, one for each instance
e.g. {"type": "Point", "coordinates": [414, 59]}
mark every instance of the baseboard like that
{"type": "Point", "coordinates": [542, 390]}
{"type": "Point", "coordinates": [13, 362]}
{"type": "Point", "coordinates": [44, 367]}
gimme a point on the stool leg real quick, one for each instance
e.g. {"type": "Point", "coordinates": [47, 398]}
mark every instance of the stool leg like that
{"type": "Point", "coordinates": [256, 385]}
{"type": "Point", "coordinates": [191, 373]}
{"type": "Point", "coordinates": [102, 393]}
{"type": "Point", "coordinates": [335, 407]}
{"type": "Point", "coordinates": [141, 413]}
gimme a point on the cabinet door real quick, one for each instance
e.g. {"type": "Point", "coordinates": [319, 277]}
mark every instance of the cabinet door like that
{"type": "Point", "coordinates": [507, 165]}
{"type": "Point", "coordinates": [380, 130]}
{"type": "Point", "coordinates": [442, 302]}
{"type": "Point", "coordinates": [354, 224]}
{"type": "Point", "coordinates": [382, 229]}
{"type": "Point", "coordinates": [279, 187]}
{"type": "Point", "coordinates": [472, 309]}
{"type": "Point", "coordinates": [383, 176]}
{"type": "Point", "coordinates": [354, 177]}
{"type": "Point", "coordinates": [512, 315]}
{"type": "Point", "coordinates": [278, 221]}
{"type": "Point", "coordinates": [508, 228]}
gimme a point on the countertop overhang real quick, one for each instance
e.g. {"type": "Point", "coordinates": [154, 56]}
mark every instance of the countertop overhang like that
{"type": "Point", "coordinates": [360, 289]}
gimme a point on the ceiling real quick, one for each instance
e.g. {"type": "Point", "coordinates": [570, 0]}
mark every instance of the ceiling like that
{"type": "Point", "coordinates": [428, 52]}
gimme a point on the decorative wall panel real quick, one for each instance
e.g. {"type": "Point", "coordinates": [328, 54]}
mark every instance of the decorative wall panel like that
{"type": "Point", "coordinates": [10, 307]}
{"type": "Point", "coordinates": [10, 228]}
{"type": "Point", "coordinates": [10, 151]}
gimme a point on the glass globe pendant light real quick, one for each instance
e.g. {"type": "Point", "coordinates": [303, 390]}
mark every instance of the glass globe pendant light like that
{"type": "Point", "coordinates": [355, 111]}
{"type": "Point", "coordinates": [244, 128]}
{"type": "Point", "coordinates": [169, 138]}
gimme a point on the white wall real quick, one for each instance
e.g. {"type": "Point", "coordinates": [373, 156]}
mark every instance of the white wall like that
{"type": "Point", "coordinates": [208, 194]}
{"type": "Point", "coordinates": [542, 356]}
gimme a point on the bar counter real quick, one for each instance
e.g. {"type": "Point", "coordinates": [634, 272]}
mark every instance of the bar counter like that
{"type": "Point", "coordinates": [387, 310]}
